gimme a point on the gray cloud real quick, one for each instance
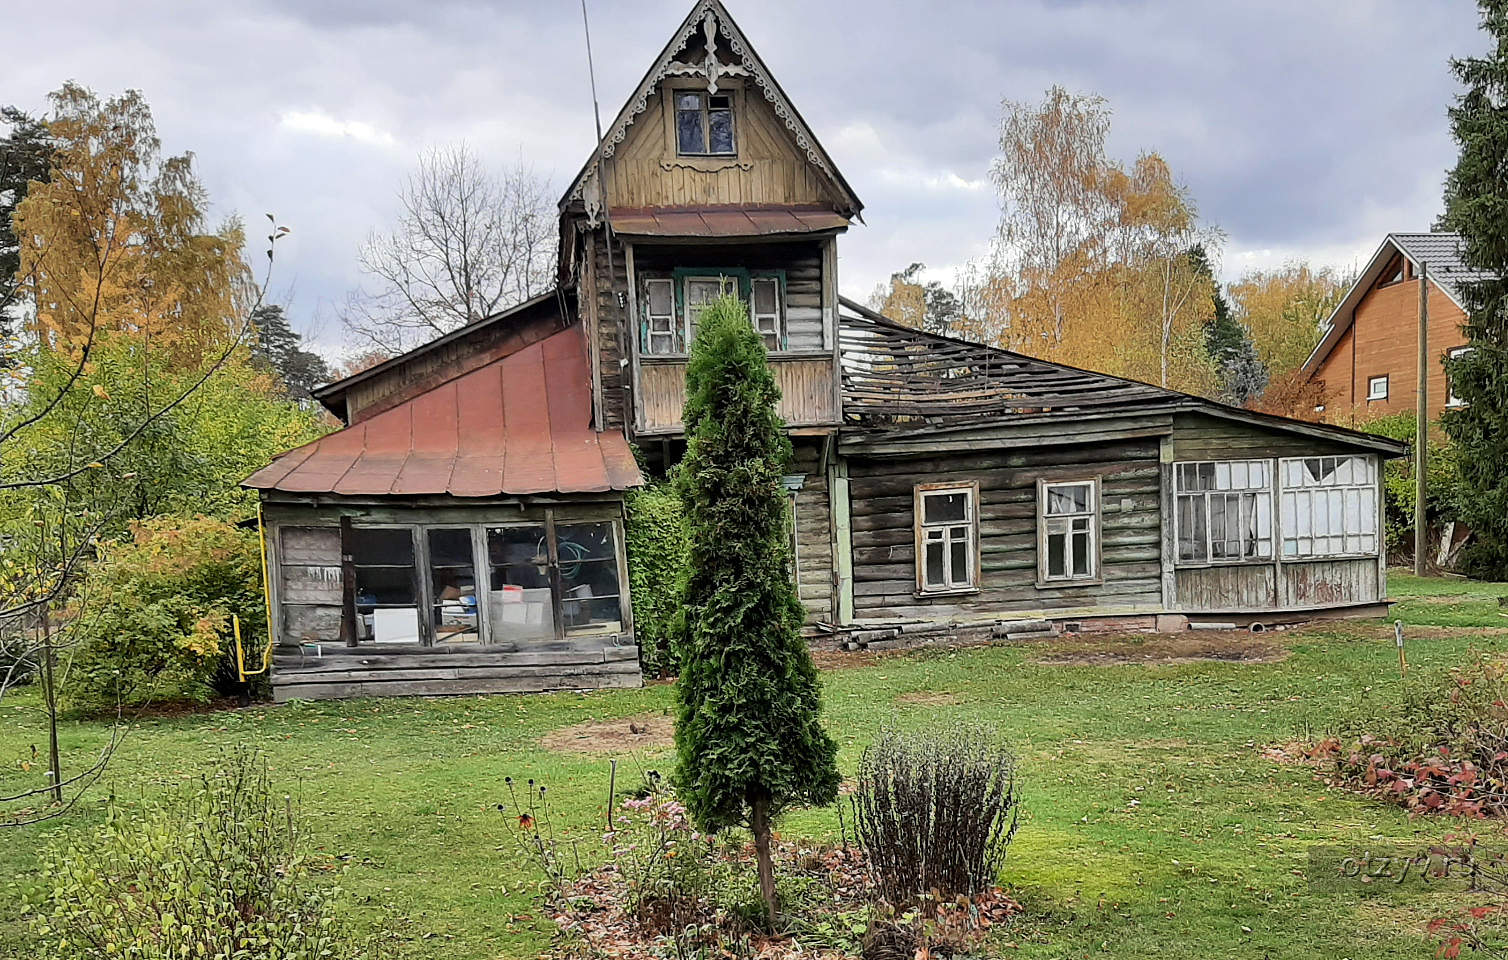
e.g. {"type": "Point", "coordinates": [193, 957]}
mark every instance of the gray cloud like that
{"type": "Point", "coordinates": [1301, 128]}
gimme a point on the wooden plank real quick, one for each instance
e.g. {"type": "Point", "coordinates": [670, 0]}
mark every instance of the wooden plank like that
{"type": "Point", "coordinates": [439, 688]}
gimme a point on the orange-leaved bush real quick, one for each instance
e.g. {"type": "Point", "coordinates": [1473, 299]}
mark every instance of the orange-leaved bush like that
{"type": "Point", "coordinates": [154, 622]}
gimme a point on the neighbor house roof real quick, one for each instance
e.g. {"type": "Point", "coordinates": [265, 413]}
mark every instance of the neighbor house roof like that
{"type": "Point", "coordinates": [1447, 270]}
{"type": "Point", "coordinates": [518, 425]}
{"type": "Point", "coordinates": [722, 220]}
{"type": "Point", "coordinates": [900, 381]}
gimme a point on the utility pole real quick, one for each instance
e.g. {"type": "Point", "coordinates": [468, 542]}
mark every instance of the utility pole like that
{"type": "Point", "coordinates": [1421, 434]}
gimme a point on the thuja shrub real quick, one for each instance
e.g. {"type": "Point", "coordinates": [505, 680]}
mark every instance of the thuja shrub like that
{"type": "Point", "coordinates": [220, 874]}
{"type": "Point", "coordinates": [935, 811]}
{"type": "Point", "coordinates": [655, 536]}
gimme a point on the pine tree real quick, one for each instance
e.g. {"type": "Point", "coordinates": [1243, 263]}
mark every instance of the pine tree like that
{"type": "Point", "coordinates": [1476, 197]}
{"type": "Point", "coordinates": [25, 156]}
{"type": "Point", "coordinates": [1228, 342]}
{"type": "Point", "coordinates": [748, 739]}
{"type": "Point", "coordinates": [280, 348]}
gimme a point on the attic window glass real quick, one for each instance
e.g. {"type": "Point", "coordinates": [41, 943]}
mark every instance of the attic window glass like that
{"type": "Point", "coordinates": [1329, 507]}
{"type": "Point", "coordinates": [1223, 512]}
{"type": "Point", "coordinates": [703, 123]}
{"type": "Point", "coordinates": [1377, 388]}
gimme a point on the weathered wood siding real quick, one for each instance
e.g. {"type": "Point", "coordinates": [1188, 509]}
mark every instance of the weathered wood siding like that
{"type": "Point", "coordinates": [1197, 436]}
{"type": "Point", "coordinates": [806, 392]}
{"type": "Point", "coordinates": [814, 545]}
{"type": "Point", "coordinates": [605, 319]}
{"type": "Point", "coordinates": [1229, 588]}
{"type": "Point", "coordinates": [646, 170]}
{"type": "Point", "coordinates": [883, 540]}
{"type": "Point", "coordinates": [1328, 583]}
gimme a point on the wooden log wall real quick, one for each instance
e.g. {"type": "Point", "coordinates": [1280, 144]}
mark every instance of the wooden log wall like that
{"type": "Point", "coordinates": [814, 546]}
{"type": "Point", "coordinates": [606, 336]}
{"type": "Point", "coordinates": [881, 502]}
{"type": "Point", "coordinates": [1200, 437]}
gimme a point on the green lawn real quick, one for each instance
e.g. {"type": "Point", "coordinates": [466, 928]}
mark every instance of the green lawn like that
{"type": "Point", "coordinates": [1153, 820]}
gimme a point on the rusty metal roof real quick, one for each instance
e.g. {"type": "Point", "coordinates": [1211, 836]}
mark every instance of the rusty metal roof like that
{"type": "Point", "coordinates": [518, 425]}
{"type": "Point", "coordinates": [722, 220]}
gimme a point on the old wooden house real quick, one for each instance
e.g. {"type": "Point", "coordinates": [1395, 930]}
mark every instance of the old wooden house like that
{"type": "Point", "coordinates": [464, 532]}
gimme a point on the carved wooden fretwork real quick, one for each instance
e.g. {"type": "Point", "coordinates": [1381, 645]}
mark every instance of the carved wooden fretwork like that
{"type": "Point", "coordinates": [711, 67]}
{"type": "Point", "coordinates": [702, 166]}
{"type": "Point", "coordinates": [706, 19]}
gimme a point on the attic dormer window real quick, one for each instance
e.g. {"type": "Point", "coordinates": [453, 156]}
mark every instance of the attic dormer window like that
{"type": "Point", "coordinates": [703, 123]}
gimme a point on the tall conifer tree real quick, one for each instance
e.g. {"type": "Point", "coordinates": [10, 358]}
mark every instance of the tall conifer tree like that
{"type": "Point", "coordinates": [748, 739]}
{"type": "Point", "coordinates": [1476, 197]}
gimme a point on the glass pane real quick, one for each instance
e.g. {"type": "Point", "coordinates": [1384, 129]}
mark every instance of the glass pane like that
{"type": "Point", "coordinates": [688, 129]}
{"type": "Point", "coordinates": [1056, 554]}
{"type": "Point", "coordinates": [960, 557]}
{"type": "Point", "coordinates": [452, 577]}
{"type": "Point", "coordinates": [688, 100]}
{"type": "Point", "coordinates": [518, 602]}
{"type": "Point", "coordinates": [1081, 566]}
{"type": "Point", "coordinates": [588, 577]}
{"type": "Point", "coordinates": [720, 129]}
{"type": "Point", "coordinates": [944, 507]}
{"type": "Point", "coordinates": [661, 302]}
{"type": "Point", "coordinates": [934, 566]}
{"type": "Point", "coordinates": [1068, 498]}
{"type": "Point", "coordinates": [764, 297]}
{"type": "Point", "coordinates": [382, 545]}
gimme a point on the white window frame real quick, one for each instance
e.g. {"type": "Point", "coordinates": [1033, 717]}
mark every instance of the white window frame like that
{"type": "Point", "coordinates": [1257, 493]}
{"type": "Point", "coordinates": [947, 532]}
{"type": "Point", "coordinates": [661, 336]}
{"type": "Point", "coordinates": [1373, 383]}
{"type": "Point", "coordinates": [1451, 400]}
{"type": "Point", "coordinates": [1050, 525]}
{"type": "Point", "coordinates": [769, 326]}
{"type": "Point", "coordinates": [1306, 500]}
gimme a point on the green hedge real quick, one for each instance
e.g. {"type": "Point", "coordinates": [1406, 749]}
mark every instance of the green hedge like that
{"type": "Point", "coordinates": [1399, 483]}
{"type": "Point", "coordinates": [656, 537]}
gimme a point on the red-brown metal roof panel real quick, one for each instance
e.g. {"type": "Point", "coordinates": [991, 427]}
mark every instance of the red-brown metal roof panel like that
{"type": "Point", "coordinates": [725, 220]}
{"type": "Point", "coordinates": [519, 425]}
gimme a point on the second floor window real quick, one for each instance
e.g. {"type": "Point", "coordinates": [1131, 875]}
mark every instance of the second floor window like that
{"type": "Point", "coordinates": [1377, 388]}
{"type": "Point", "coordinates": [703, 123]}
{"type": "Point", "coordinates": [673, 307]}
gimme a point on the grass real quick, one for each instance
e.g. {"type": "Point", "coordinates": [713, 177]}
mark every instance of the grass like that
{"type": "Point", "coordinates": [1152, 816]}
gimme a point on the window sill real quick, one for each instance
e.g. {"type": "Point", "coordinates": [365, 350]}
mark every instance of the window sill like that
{"type": "Point", "coordinates": [1213, 564]}
{"type": "Point", "coordinates": [668, 358]}
{"type": "Point", "coordinates": [958, 592]}
{"type": "Point", "coordinates": [1046, 584]}
{"type": "Point", "coordinates": [1326, 557]}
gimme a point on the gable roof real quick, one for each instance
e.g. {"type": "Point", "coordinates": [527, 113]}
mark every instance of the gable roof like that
{"type": "Point", "coordinates": [711, 18]}
{"type": "Point", "coordinates": [518, 425]}
{"type": "Point", "coordinates": [899, 380]}
{"type": "Point", "coordinates": [1447, 270]}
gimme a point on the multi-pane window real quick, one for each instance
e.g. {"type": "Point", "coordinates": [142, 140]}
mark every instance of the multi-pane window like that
{"type": "Point", "coordinates": [1069, 530]}
{"type": "Point", "coordinates": [703, 123]}
{"type": "Point", "coordinates": [1451, 400]}
{"type": "Point", "coordinates": [662, 334]}
{"type": "Point", "coordinates": [946, 534]}
{"type": "Point", "coordinates": [1329, 506]}
{"type": "Point", "coordinates": [1223, 511]}
{"type": "Point", "coordinates": [672, 308]}
{"type": "Point", "coordinates": [764, 310]}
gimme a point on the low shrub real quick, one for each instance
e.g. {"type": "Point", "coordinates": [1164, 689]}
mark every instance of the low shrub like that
{"type": "Point", "coordinates": [935, 811]}
{"type": "Point", "coordinates": [656, 546]}
{"type": "Point", "coordinates": [155, 623]}
{"type": "Point", "coordinates": [1443, 749]}
{"type": "Point", "coordinates": [1400, 484]}
{"type": "Point", "coordinates": [222, 874]}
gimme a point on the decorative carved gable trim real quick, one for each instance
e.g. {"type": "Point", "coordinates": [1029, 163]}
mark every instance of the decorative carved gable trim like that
{"type": "Point", "coordinates": [709, 18]}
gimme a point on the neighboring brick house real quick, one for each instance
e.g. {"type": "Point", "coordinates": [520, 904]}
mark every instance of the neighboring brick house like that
{"type": "Point", "coordinates": [1368, 359]}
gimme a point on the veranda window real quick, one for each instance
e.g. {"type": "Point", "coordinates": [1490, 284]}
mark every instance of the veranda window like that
{"type": "Point", "coordinates": [1068, 518]}
{"type": "Point", "coordinates": [387, 584]}
{"type": "Point", "coordinates": [947, 534]}
{"type": "Point", "coordinates": [672, 308]}
{"type": "Point", "coordinates": [1223, 510]}
{"type": "Point", "coordinates": [1329, 507]}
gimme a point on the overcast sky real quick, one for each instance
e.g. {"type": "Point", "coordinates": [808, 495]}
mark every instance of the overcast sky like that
{"type": "Point", "coordinates": [1303, 129]}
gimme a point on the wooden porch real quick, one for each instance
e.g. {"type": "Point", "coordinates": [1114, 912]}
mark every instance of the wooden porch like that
{"type": "Point", "coordinates": [332, 671]}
